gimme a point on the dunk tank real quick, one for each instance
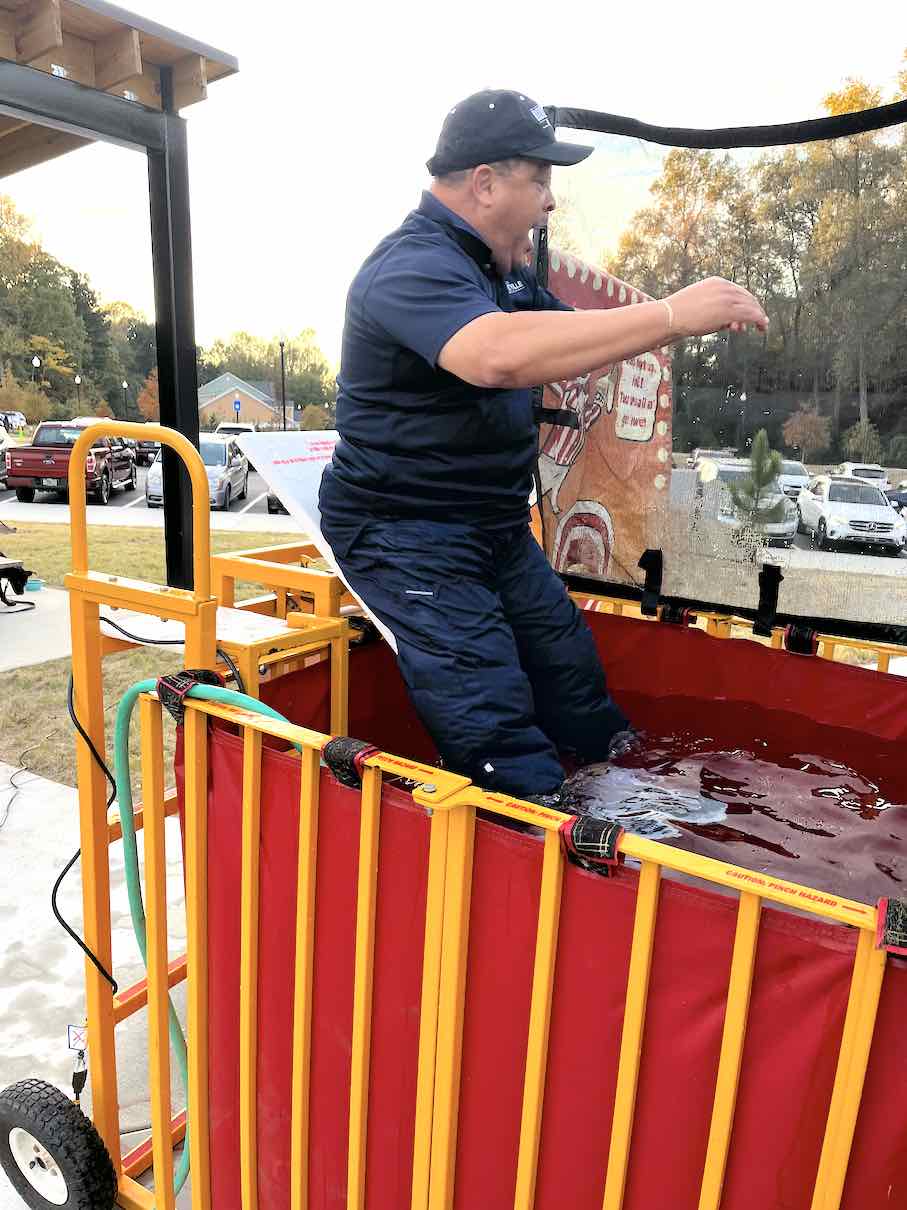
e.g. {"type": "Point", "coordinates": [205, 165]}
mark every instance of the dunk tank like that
{"type": "Point", "coordinates": [705, 1010]}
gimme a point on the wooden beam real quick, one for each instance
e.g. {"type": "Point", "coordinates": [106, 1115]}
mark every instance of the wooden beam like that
{"type": "Point", "coordinates": [145, 88]}
{"type": "Point", "coordinates": [190, 81]}
{"type": "Point", "coordinates": [11, 125]}
{"type": "Point", "coordinates": [40, 32]}
{"type": "Point", "coordinates": [117, 58]}
{"type": "Point", "coordinates": [74, 60]}
{"type": "Point", "coordinates": [35, 145]}
{"type": "Point", "coordinates": [7, 36]}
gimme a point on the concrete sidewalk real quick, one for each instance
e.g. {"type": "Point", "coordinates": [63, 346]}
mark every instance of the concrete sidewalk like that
{"type": "Point", "coordinates": [37, 635]}
{"type": "Point", "coordinates": [42, 970]}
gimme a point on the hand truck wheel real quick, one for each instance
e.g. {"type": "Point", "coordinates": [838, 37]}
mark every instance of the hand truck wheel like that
{"type": "Point", "coordinates": [51, 1152]}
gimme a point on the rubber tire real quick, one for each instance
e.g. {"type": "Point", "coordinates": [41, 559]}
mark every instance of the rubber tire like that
{"type": "Point", "coordinates": [225, 507]}
{"type": "Point", "coordinates": [821, 536]}
{"type": "Point", "coordinates": [245, 487]}
{"type": "Point", "coordinates": [102, 495]}
{"type": "Point", "coordinates": [70, 1137]}
{"type": "Point", "coordinates": [25, 495]}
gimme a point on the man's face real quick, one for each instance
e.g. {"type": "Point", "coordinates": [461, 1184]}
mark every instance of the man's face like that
{"type": "Point", "coordinates": [524, 200]}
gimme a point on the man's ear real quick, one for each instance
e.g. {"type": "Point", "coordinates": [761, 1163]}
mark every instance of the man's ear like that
{"type": "Point", "coordinates": [483, 182]}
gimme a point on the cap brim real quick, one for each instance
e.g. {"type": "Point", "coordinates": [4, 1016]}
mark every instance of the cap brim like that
{"type": "Point", "coordinates": [558, 153]}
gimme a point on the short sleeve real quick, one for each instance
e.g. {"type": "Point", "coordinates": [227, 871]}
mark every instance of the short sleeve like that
{"type": "Point", "coordinates": [422, 295]}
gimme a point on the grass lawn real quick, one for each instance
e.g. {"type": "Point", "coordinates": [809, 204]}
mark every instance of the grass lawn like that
{"type": "Point", "coordinates": [35, 720]}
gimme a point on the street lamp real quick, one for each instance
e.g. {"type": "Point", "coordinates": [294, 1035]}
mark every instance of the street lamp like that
{"type": "Point", "coordinates": [283, 387]}
{"type": "Point", "coordinates": [124, 385]}
{"type": "Point", "coordinates": [79, 389]}
{"type": "Point", "coordinates": [36, 365]}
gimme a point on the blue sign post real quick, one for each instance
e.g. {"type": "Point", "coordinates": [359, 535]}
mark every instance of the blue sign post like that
{"type": "Point", "coordinates": [236, 406]}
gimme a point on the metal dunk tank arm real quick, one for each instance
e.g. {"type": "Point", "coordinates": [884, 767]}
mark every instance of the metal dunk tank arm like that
{"type": "Point", "coordinates": [598, 480]}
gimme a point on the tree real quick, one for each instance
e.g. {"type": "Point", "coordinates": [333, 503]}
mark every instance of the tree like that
{"type": "Point", "coordinates": [314, 417]}
{"type": "Point", "coordinates": [897, 450]}
{"type": "Point", "coordinates": [755, 497]}
{"type": "Point", "coordinates": [862, 442]}
{"type": "Point", "coordinates": [104, 409]}
{"type": "Point", "coordinates": [807, 431]}
{"type": "Point", "coordinates": [149, 403]}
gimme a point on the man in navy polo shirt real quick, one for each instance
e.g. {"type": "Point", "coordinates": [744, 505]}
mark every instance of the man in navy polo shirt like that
{"type": "Point", "coordinates": [425, 504]}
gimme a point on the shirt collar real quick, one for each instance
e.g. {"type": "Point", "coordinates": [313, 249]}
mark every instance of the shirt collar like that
{"type": "Point", "coordinates": [435, 210]}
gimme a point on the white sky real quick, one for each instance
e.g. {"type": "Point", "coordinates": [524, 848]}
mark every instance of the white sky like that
{"type": "Point", "coordinates": [316, 149]}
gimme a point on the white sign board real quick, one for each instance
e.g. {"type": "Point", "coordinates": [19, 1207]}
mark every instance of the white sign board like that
{"type": "Point", "coordinates": [292, 463]}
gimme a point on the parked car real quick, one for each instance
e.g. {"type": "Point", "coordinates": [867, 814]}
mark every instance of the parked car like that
{"type": "Point", "coordinates": [726, 454]}
{"type": "Point", "coordinates": [870, 471]}
{"type": "Point", "coordinates": [12, 422]}
{"type": "Point", "coordinates": [228, 474]}
{"type": "Point", "coordinates": [43, 466]}
{"type": "Point", "coordinates": [898, 496]}
{"type": "Point", "coordinates": [146, 450]}
{"type": "Point", "coordinates": [275, 504]}
{"type": "Point", "coordinates": [713, 499]}
{"type": "Point", "coordinates": [851, 511]}
{"type": "Point", "coordinates": [233, 427]}
{"type": "Point", "coordinates": [793, 477]}
{"type": "Point", "coordinates": [6, 443]}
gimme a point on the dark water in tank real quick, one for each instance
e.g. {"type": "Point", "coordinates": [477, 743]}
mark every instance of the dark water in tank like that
{"type": "Point", "coordinates": [768, 791]}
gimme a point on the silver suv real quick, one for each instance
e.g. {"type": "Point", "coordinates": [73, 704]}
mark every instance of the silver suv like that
{"type": "Point", "coordinates": [843, 509]}
{"type": "Point", "coordinates": [713, 499]}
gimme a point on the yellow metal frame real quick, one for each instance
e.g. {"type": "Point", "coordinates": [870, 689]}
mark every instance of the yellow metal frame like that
{"type": "Point", "coordinates": [453, 803]}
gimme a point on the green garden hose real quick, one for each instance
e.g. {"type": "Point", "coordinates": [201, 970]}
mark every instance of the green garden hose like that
{"type": "Point", "coordinates": [211, 693]}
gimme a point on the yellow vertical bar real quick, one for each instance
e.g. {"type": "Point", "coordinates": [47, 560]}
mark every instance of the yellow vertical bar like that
{"type": "Point", "coordinates": [370, 814]}
{"type": "Point", "coordinates": [883, 661]}
{"type": "Point", "coordinates": [631, 1038]}
{"type": "Point", "coordinates": [735, 1017]}
{"type": "Point", "coordinates": [853, 1058]}
{"type": "Point", "coordinates": [248, 969]}
{"type": "Point", "coordinates": [201, 640]}
{"type": "Point", "coordinates": [428, 1015]}
{"type": "Point", "coordinates": [196, 760]}
{"type": "Point", "coordinates": [156, 915]}
{"type": "Point", "coordinates": [454, 952]}
{"type": "Point", "coordinates": [302, 997]}
{"type": "Point", "coordinates": [539, 1020]}
{"type": "Point", "coordinates": [340, 684]}
{"type": "Point", "coordinates": [88, 696]}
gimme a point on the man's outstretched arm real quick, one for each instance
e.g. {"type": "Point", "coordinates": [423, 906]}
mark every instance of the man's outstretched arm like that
{"type": "Point", "coordinates": [520, 349]}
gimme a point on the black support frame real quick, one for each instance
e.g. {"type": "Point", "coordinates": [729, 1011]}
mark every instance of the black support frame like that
{"type": "Point", "coordinates": [62, 104]}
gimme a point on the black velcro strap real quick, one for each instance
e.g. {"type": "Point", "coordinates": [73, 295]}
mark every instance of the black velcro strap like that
{"type": "Point", "coordinates": [172, 689]}
{"type": "Point", "coordinates": [592, 843]}
{"type": "Point", "coordinates": [801, 640]}
{"type": "Point", "coordinates": [770, 578]}
{"type": "Point", "coordinates": [565, 417]}
{"type": "Point", "coordinates": [652, 563]}
{"type": "Point", "coordinates": [344, 757]}
{"type": "Point", "coordinates": [891, 930]}
{"type": "Point", "coordinates": [677, 615]}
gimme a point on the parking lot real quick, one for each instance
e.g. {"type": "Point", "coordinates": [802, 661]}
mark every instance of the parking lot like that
{"type": "Point", "coordinates": [255, 505]}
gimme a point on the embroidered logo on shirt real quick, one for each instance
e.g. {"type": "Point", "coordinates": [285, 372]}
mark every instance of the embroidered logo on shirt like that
{"type": "Point", "coordinates": [540, 116]}
{"type": "Point", "coordinates": [514, 287]}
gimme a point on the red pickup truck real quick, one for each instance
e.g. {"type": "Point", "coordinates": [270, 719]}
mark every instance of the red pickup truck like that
{"type": "Point", "coordinates": [43, 466]}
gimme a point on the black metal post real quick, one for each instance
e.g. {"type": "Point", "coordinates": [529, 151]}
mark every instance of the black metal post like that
{"type": "Point", "coordinates": [168, 176]}
{"type": "Point", "coordinates": [283, 387]}
{"type": "Point", "coordinates": [125, 403]}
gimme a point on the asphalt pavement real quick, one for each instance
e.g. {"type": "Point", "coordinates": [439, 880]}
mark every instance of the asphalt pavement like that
{"type": "Point", "coordinates": [130, 508]}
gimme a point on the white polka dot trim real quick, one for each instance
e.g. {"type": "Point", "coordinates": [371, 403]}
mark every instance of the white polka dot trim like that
{"type": "Point", "coordinates": [660, 482]}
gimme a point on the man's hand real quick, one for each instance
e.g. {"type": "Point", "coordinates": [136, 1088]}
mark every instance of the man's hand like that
{"type": "Point", "coordinates": [713, 305]}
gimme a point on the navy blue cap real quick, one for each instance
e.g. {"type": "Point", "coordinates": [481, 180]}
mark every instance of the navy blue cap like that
{"type": "Point", "coordinates": [499, 125]}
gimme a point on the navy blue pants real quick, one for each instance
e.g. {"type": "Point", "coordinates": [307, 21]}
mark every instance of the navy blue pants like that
{"type": "Point", "coordinates": [499, 663]}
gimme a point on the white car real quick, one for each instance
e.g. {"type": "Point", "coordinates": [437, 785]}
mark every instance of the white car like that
{"type": "Point", "coordinates": [793, 477]}
{"type": "Point", "coordinates": [713, 498]}
{"type": "Point", "coordinates": [870, 471]}
{"type": "Point", "coordinates": [840, 508]}
{"type": "Point", "coordinates": [227, 468]}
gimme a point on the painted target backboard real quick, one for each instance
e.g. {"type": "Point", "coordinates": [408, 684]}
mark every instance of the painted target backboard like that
{"type": "Point", "coordinates": [600, 480]}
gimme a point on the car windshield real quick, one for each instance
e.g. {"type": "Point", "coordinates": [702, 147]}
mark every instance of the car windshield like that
{"type": "Point", "coordinates": [855, 493]}
{"type": "Point", "coordinates": [214, 453]}
{"type": "Point", "coordinates": [57, 434]}
{"type": "Point", "coordinates": [794, 468]}
{"type": "Point", "coordinates": [732, 474]}
{"type": "Point", "coordinates": [868, 472]}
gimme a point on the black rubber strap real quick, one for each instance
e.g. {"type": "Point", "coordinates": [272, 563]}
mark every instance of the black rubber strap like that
{"type": "Point", "coordinates": [770, 579]}
{"type": "Point", "coordinates": [592, 843]}
{"type": "Point", "coordinates": [172, 689]}
{"type": "Point", "coordinates": [344, 757]}
{"type": "Point", "coordinates": [801, 640]}
{"type": "Point", "coordinates": [565, 417]}
{"type": "Point", "coordinates": [652, 563]}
